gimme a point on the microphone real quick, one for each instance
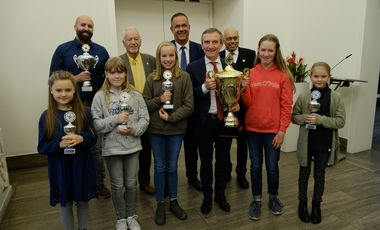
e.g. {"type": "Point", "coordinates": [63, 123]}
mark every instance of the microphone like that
{"type": "Point", "coordinates": [341, 61]}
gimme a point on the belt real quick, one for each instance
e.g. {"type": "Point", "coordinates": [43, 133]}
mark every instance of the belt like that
{"type": "Point", "coordinates": [213, 115]}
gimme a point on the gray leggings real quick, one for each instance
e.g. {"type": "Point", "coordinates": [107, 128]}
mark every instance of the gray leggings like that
{"type": "Point", "coordinates": [123, 170]}
{"type": "Point", "coordinates": [67, 217]}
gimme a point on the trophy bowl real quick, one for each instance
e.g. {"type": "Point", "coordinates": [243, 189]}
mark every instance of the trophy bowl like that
{"type": "Point", "coordinates": [229, 92]}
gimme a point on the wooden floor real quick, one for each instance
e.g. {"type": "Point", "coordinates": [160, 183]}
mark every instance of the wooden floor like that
{"type": "Point", "coordinates": [351, 201]}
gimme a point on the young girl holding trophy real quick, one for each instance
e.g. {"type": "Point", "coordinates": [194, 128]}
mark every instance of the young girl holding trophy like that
{"type": "Point", "coordinates": [120, 118]}
{"type": "Point", "coordinates": [66, 136]}
{"type": "Point", "coordinates": [320, 113]}
{"type": "Point", "coordinates": [168, 94]}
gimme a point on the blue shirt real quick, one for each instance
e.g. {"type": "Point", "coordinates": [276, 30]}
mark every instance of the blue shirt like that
{"type": "Point", "coordinates": [63, 59]}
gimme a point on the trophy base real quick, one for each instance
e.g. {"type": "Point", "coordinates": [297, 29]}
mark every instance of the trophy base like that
{"type": "Point", "coordinates": [309, 126]}
{"type": "Point", "coordinates": [86, 88]}
{"type": "Point", "coordinates": [225, 131]}
{"type": "Point", "coordinates": [231, 121]}
{"type": "Point", "coordinates": [69, 151]}
{"type": "Point", "coordinates": [122, 126]}
{"type": "Point", "coordinates": [168, 106]}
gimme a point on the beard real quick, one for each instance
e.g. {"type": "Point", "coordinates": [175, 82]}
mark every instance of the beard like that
{"type": "Point", "coordinates": [84, 36]}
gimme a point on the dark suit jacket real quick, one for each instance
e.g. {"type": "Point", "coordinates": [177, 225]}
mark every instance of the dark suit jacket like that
{"type": "Point", "coordinates": [202, 102]}
{"type": "Point", "coordinates": [149, 63]}
{"type": "Point", "coordinates": [195, 51]}
{"type": "Point", "coordinates": [245, 59]}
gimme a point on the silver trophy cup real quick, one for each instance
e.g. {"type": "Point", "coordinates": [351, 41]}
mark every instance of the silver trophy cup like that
{"type": "Point", "coordinates": [85, 62]}
{"type": "Point", "coordinates": [313, 106]}
{"type": "Point", "coordinates": [68, 129]}
{"type": "Point", "coordinates": [167, 86]}
{"type": "Point", "coordinates": [125, 107]}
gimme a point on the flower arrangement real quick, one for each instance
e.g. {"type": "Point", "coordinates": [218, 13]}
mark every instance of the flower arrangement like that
{"type": "Point", "coordinates": [297, 67]}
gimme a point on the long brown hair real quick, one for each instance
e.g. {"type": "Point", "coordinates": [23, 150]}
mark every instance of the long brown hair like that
{"type": "Point", "coordinates": [115, 65]}
{"type": "Point", "coordinates": [278, 59]}
{"type": "Point", "coordinates": [52, 120]}
{"type": "Point", "coordinates": [159, 69]}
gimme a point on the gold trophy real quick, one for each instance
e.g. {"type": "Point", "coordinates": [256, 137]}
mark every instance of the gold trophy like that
{"type": "Point", "coordinates": [228, 90]}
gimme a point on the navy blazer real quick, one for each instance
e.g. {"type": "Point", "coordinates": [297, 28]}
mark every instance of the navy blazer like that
{"type": "Point", "coordinates": [195, 51]}
{"type": "Point", "coordinates": [202, 102]}
{"type": "Point", "coordinates": [245, 58]}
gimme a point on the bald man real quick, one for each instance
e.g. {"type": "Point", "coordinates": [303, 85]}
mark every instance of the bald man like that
{"type": "Point", "coordinates": [242, 58]}
{"type": "Point", "coordinates": [63, 59]}
{"type": "Point", "coordinates": [139, 66]}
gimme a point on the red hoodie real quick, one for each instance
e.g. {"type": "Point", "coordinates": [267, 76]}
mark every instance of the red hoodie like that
{"type": "Point", "coordinates": [268, 98]}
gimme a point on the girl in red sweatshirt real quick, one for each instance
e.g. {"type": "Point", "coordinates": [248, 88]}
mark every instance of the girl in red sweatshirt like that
{"type": "Point", "coordinates": [268, 98]}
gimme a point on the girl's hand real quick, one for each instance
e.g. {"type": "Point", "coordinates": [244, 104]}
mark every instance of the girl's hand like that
{"type": "Point", "coordinates": [70, 140]}
{"type": "Point", "coordinates": [123, 116]}
{"type": "Point", "coordinates": [125, 131]}
{"type": "Point", "coordinates": [163, 114]}
{"type": "Point", "coordinates": [166, 96]}
{"type": "Point", "coordinates": [311, 118]}
{"type": "Point", "coordinates": [278, 139]}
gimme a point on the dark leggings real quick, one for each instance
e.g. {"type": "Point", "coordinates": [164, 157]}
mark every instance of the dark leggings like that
{"type": "Point", "coordinates": [320, 162]}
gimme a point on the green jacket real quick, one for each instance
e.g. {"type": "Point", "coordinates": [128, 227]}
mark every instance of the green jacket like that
{"type": "Point", "coordinates": [335, 122]}
{"type": "Point", "coordinates": [182, 99]}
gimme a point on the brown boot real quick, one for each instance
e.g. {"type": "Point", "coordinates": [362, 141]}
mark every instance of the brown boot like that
{"type": "Point", "coordinates": [104, 191]}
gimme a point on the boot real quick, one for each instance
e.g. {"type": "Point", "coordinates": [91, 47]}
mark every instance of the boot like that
{"type": "Point", "coordinates": [177, 210]}
{"type": "Point", "coordinates": [160, 217]}
{"type": "Point", "coordinates": [316, 217]}
{"type": "Point", "coordinates": [303, 213]}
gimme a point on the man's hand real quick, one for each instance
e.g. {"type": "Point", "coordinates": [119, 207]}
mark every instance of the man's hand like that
{"type": "Point", "coordinates": [83, 76]}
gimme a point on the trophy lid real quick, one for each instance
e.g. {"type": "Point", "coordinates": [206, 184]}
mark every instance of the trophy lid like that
{"type": "Point", "coordinates": [229, 72]}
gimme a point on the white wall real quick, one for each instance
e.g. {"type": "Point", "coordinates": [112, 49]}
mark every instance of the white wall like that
{"type": "Point", "coordinates": [31, 30]}
{"type": "Point", "coordinates": [321, 30]}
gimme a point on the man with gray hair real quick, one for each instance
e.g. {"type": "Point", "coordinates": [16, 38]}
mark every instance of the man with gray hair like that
{"type": "Point", "coordinates": [139, 66]}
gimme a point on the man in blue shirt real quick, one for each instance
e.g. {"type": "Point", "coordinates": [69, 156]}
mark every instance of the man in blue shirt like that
{"type": "Point", "coordinates": [64, 59]}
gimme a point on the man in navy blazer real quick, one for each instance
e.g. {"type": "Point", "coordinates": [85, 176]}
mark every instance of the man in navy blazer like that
{"type": "Point", "coordinates": [243, 58]}
{"type": "Point", "coordinates": [188, 51]}
{"type": "Point", "coordinates": [207, 122]}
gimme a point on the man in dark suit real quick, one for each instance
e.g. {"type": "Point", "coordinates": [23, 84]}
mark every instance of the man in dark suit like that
{"type": "Point", "coordinates": [242, 58]}
{"type": "Point", "coordinates": [208, 119]}
{"type": "Point", "coordinates": [188, 51]}
{"type": "Point", "coordinates": [139, 66]}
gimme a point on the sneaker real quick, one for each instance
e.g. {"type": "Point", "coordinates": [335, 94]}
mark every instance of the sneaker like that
{"type": "Point", "coordinates": [275, 206]}
{"type": "Point", "coordinates": [132, 223]}
{"type": "Point", "coordinates": [104, 191]}
{"type": "Point", "coordinates": [121, 224]}
{"type": "Point", "coordinates": [255, 210]}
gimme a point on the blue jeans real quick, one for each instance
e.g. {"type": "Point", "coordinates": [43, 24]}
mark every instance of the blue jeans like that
{"type": "Point", "coordinates": [166, 150]}
{"type": "Point", "coordinates": [257, 144]}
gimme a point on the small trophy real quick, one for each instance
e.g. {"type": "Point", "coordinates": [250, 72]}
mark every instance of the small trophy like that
{"type": "Point", "coordinates": [313, 106]}
{"type": "Point", "coordinates": [69, 128]}
{"type": "Point", "coordinates": [125, 107]}
{"type": "Point", "coordinates": [85, 62]}
{"type": "Point", "coordinates": [167, 86]}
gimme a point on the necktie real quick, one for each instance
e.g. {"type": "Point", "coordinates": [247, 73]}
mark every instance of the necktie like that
{"type": "Point", "coordinates": [219, 105]}
{"type": "Point", "coordinates": [183, 58]}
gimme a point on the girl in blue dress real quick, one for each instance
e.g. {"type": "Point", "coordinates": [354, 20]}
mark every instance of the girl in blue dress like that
{"type": "Point", "coordinates": [71, 173]}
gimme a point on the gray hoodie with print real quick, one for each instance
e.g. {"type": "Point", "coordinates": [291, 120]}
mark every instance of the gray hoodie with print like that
{"type": "Point", "coordinates": [106, 120]}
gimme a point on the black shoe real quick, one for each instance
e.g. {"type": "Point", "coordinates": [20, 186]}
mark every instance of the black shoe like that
{"type": "Point", "coordinates": [196, 184]}
{"type": "Point", "coordinates": [206, 207]}
{"type": "Point", "coordinates": [223, 204]}
{"type": "Point", "coordinates": [177, 210]}
{"type": "Point", "coordinates": [316, 216]}
{"type": "Point", "coordinates": [148, 189]}
{"type": "Point", "coordinates": [160, 217]}
{"type": "Point", "coordinates": [303, 213]}
{"type": "Point", "coordinates": [242, 182]}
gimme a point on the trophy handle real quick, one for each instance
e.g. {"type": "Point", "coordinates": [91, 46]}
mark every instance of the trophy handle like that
{"type": "Point", "coordinates": [96, 58]}
{"type": "Point", "coordinates": [75, 57]}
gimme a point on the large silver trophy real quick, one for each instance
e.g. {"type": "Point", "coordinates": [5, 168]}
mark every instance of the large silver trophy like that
{"type": "Point", "coordinates": [68, 129]}
{"type": "Point", "coordinates": [125, 107]}
{"type": "Point", "coordinates": [85, 62]}
{"type": "Point", "coordinates": [313, 106]}
{"type": "Point", "coordinates": [228, 90]}
{"type": "Point", "coordinates": [167, 86]}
